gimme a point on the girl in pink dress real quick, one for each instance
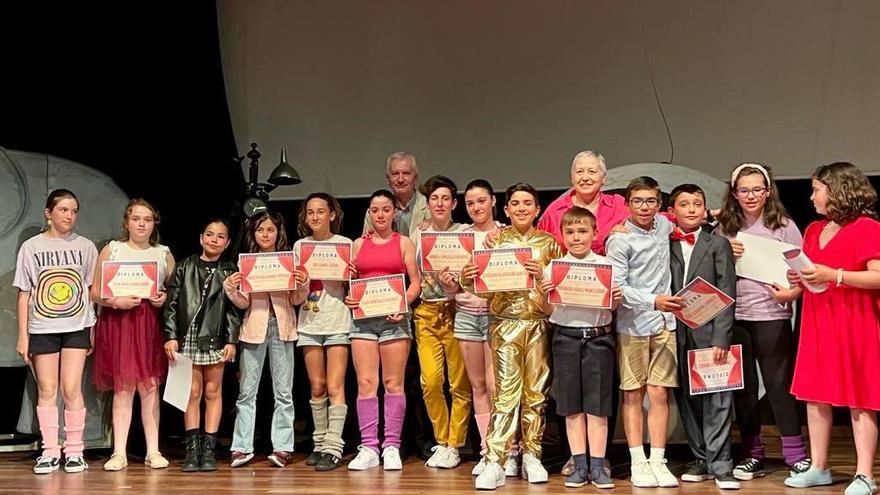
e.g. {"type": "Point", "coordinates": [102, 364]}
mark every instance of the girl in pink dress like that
{"type": "Point", "coordinates": [129, 345]}
{"type": "Point", "coordinates": [839, 353]}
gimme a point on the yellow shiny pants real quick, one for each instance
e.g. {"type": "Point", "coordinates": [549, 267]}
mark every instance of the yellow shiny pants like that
{"type": "Point", "coordinates": [439, 355]}
{"type": "Point", "coordinates": [521, 353]}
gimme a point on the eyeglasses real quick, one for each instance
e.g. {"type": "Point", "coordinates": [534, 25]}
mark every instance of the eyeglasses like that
{"type": "Point", "coordinates": [638, 202]}
{"type": "Point", "coordinates": [743, 192]}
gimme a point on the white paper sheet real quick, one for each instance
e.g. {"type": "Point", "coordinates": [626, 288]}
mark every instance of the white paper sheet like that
{"type": "Point", "coordinates": [179, 381]}
{"type": "Point", "coordinates": [762, 259]}
{"type": "Point", "coordinates": [798, 261]}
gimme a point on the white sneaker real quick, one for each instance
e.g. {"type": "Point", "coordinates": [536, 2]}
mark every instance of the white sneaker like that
{"type": "Point", "coordinates": [491, 478]}
{"type": "Point", "coordinates": [511, 467]}
{"type": "Point", "coordinates": [532, 469]}
{"type": "Point", "coordinates": [664, 478]}
{"type": "Point", "coordinates": [367, 458]}
{"type": "Point", "coordinates": [641, 474]}
{"type": "Point", "coordinates": [391, 459]}
{"type": "Point", "coordinates": [450, 460]}
{"type": "Point", "coordinates": [439, 452]}
{"type": "Point", "coordinates": [479, 467]}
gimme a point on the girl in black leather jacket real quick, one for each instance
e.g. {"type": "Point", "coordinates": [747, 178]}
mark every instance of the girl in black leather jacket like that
{"type": "Point", "coordinates": [204, 325]}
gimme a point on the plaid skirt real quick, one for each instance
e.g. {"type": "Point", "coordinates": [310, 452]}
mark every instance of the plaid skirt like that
{"type": "Point", "coordinates": [198, 356]}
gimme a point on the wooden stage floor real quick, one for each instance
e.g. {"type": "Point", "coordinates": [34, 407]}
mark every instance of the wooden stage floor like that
{"type": "Point", "coordinates": [259, 477]}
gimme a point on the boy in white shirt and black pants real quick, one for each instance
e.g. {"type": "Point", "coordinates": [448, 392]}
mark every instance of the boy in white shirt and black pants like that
{"type": "Point", "coordinates": [583, 360]}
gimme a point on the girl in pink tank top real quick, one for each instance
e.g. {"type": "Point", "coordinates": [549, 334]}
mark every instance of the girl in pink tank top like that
{"type": "Point", "coordinates": [385, 252]}
{"type": "Point", "coordinates": [376, 260]}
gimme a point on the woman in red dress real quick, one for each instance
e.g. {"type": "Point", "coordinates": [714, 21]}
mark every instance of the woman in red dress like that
{"type": "Point", "coordinates": [839, 352]}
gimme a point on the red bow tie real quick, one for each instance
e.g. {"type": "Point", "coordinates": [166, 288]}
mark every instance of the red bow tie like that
{"type": "Point", "coordinates": [678, 235]}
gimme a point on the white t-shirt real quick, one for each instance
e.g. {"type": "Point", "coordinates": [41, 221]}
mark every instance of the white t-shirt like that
{"type": "Point", "coordinates": [58, 273]}
{"type": "Point", "coordinates": [121, 251]}
{"type": "Point", "coordinates": [333, 316]}
{"type": "Point", "coordinates": [578, 316]}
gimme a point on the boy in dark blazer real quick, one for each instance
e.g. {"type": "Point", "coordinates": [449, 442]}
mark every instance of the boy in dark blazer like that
{"type": "Point", "coordinates": [706, 418]}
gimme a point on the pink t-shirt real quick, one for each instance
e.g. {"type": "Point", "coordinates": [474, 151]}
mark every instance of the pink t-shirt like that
{"type": "Point", "coordinates": [611, 211]}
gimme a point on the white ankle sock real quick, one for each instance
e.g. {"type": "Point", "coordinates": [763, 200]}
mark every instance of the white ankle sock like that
{"type": "Point", "coordinates": [637, 453]}
{"type": "Point", "coordinates": [657, 454]}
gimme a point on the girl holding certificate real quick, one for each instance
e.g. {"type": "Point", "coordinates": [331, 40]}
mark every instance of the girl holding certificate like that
{"type": "Point", "coordinates": [838, 356]}
{"type": "Point", "coordinates": [471, 327]}
{"type": "Point", "coordinates": [439, 354]}
{"type": "Point", "coordinates": [269, 327]}
{"type": "Point", "coordinates": [324, 325]}
{"type": "Point", "coordinates": [382, 340]}
{"type": "Point", "coordinates": [129, 346]}
{"type": "Point", "coordinates": [520, 346]}
{"type": "Point", "coordinates": [763, 321]}
{"type": "Point", "coordinates": [52, 274]}
{"type": "Point", "coordinates": [203, 324]}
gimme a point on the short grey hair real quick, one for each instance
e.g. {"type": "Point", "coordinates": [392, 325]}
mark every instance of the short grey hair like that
{"type": "Point", "coordinates": [590, 154]}
{"type": "Point", "coordinates": [401, 155]}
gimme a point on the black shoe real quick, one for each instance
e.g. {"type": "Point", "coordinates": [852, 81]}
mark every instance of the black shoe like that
{"type": "Point", "coordinates": [208, 457]}
{"type": "Point", "coordinates": [327, 462]}
{"type": "Point", "coordinates": [46, 464]}
{"type": "Point", "coordinates": [749, 469]}
{"type": "Point", "coordinates": [697, 473]}
{"type": "Point", "coordinates": [727, 482]}
{"type": "Point", "coordinates": [313, 458]}
{"type": "Point", "coordinates": [799, 467]}
{"type": "Point", "coordinates": [75, 464]}
{"type": "Point", "coordinates": [578, 478]}
{"type": "Point", "coordinates": [193, 460]}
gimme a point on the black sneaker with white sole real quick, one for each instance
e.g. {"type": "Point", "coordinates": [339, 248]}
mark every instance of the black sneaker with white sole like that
{"type": "Point", "coordinates": [749, 469]}
{"type": "Point", "coordinates": [799, 467]}
{"type": "Point", "coordinates": [75, 464]}
{"type": "Point", "coordinates": [46, 465]}
{"type": "Point", "coordinates": [697, 473]}
{"type": "Point", "coordinates": [727, 482]}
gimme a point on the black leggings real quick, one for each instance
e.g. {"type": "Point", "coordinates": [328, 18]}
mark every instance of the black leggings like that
{"type": "Point", "coordinates": [772, 343]}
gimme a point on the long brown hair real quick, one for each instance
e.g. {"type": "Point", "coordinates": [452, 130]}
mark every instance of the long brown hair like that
{"type": "Point", "coordinates": [850, 193]}
{"type": "Point", "coordinates": [302, 226]}
{"type": "Point", "coordinates": [281, 243]}
{"type": "Point", "coordinates": [774, 215]}
{"type": "Point", "coordinates": [154, 235]}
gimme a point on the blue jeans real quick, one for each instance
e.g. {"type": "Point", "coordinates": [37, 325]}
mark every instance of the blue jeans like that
{"type": "Point", "coordinates": [251, 368]}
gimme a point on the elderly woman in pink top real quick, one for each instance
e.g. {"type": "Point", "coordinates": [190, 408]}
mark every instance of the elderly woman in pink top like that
{"type": "Point", "coordinates": [269, 327]}
{"type": "Point", "coordinates": [587, 177]}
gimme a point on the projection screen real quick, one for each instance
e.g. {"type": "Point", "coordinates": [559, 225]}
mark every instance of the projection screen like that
{"type": "Point", "coordinates": [512, 89]}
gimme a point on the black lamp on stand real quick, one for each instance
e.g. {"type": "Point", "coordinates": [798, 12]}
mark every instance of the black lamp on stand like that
{"type": "Point", "coordinates": [258, 192]}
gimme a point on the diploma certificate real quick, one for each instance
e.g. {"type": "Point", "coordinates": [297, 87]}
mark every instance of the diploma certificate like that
{"type": "Point", "coordinates": [129, 278]}
{"type": "Point", "coordinates": [581, 283]}
{"type": "Point", "coordinates": [263, 272]}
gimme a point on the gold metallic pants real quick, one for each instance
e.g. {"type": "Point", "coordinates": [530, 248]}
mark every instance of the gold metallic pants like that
{"type": "Point", "coordinates": [438, 353]}
{"type": "Point", "coordinates": [521, 354]}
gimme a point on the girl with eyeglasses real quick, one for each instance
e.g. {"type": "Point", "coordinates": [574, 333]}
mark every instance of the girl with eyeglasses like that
{"type": "Point", "coordinates": [763, 321]}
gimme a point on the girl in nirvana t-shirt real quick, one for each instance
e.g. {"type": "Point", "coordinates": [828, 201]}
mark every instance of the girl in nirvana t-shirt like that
{"type": "Point", "coordinates": [53, 274]}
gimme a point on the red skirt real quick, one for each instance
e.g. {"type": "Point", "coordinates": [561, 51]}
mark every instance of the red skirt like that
{"type": "Point", "coordinates": [129, 347]}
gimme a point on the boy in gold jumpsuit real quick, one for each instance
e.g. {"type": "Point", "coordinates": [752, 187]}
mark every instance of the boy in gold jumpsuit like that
{"type": "Point", "coordinates": [521, 353]}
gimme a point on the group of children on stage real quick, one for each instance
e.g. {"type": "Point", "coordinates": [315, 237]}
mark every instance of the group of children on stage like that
{"type": "Point", "coordinates": [494, 349]}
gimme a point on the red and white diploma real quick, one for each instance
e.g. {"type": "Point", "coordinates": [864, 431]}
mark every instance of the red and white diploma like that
{"type": "Point", "coordinates": [263, 272]}
{"type": "Point", "coordinates": [379, 296]}
{"type": "Point", "coordinates": [502, 269]}
{"type": "Point", "coordinates": [325, 260]}
{"type": "Point", "coordinates": [581, 283]}
{"type": "Point", "coordinates": [129, 278]}
{"type": "Point", "coordinates": [706, 377]}
{"type": "Point", "coordinates": [702, 302]}
{"type": "Point", "coordinates": [442, 250]}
